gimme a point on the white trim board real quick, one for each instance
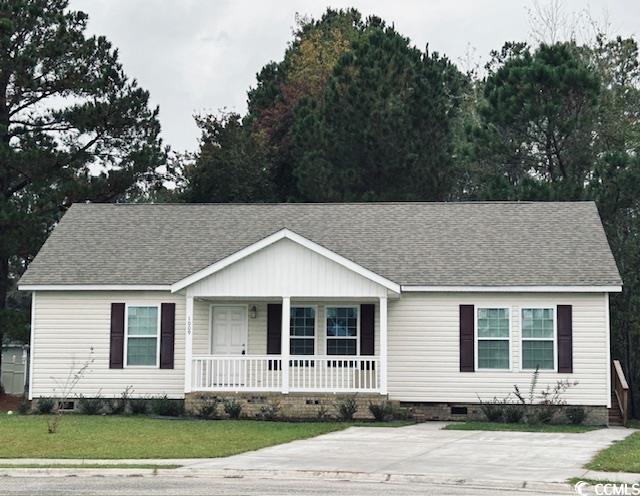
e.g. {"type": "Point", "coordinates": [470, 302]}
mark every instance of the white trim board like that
{"type": "Point", "coordinates": [512, 289]}
{"type": "Point", "coordinates": [94, 287]}
{"type": "Point", "coordinates": [277, 236]}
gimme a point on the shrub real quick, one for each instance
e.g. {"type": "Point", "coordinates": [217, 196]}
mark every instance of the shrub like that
{"type": "Point", "coordinates": [139, 406]}
{"type": "Point", "coordinates": [543, 406]}
{"type": "Point", "coordinates": [381, 411]}
{"type": "Point", "coordinates": [270, 410]}
{"type": "Point", "coordinates": [544, 414]}
{"type": "Point", "coordinates": [233, 408]}
{"type": "Point", "coordinates": [45, 405]}
{"type": "Point", "coordinates": [493, 410]}
{"type": "Point", "coordinates": [323, 413]}
{"type": "Point", "coordinates": [165, 407]}
{"type": "Point", "coordinates": [91, 406]}
{"type": "Point", "coordinates": [208, 409]}
{"type": "Point", "coordinates": [118, 406]}
{"type": "Point", "coordinates": [346, 408]}
{"type": "Point", "coordinates": [401, 413]}
{"type": "Point", "coordinates": [23, 407]}
{"type": "Point", "coordinates": [513, 413]}
{"type": "Point", "coordinates": [576, 414]}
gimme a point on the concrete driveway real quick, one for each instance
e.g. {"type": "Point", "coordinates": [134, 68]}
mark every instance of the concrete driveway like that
{"type": "Point", "coordinates": [427, 450]}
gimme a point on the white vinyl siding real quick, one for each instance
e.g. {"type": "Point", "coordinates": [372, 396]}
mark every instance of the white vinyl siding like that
{"type": "Point", "coordinates": [69, 323]}
{"type": "Point", "coordinates": [286, 268]}
{"type": "Point", "coordinates": [424, 348]}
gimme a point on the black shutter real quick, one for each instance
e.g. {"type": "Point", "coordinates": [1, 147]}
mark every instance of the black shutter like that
{"type": "Point", "coordinates": [565, 339]}
{"type": "Point", "coordinates": [367, 329]}
{"type": "Point", "coordinates": [467, 324]}
{"type": "Point", "coordinates": [167, 334]}
{"type": "Point", "coordinates": [116, 350]}
{"type": "Point", "coordinates": [367, 334]}
{"type": "Point", "coordinates": [274, 332]}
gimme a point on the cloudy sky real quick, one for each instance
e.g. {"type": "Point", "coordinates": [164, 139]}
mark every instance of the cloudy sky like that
{"type": "Point", "coordinates": [199, 56]}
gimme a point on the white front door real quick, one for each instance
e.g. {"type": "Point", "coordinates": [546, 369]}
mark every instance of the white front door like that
{"type": "Point", "coordinates": [229, 329]}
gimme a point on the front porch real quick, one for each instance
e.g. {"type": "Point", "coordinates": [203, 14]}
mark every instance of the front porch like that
{"type": "Point", "coordinates": [286, 345]}
{"type": "Point", "coordinates": [285, 314]}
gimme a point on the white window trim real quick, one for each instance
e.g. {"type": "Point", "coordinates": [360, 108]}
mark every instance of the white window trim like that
{"type": "Point", "coordinates": [476, 338]}
{"type": "Point", "coordinates": [326, 334]}
{"type": "Point", "coordinates": [315, 327]}
{"type": "Point", "coordinates": [126, 336]}
{"type": "Point", "coordinates": [555, 337]}
{"type": "Point", "coordinates": [246, 324]}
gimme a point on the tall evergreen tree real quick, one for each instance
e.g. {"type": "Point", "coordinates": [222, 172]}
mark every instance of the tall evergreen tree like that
{"type": "Point", "coordinates": [534, 140]}
{"type": "Point", "coordinates": [73, 127]}
{"type": "Point", "coordinates": [384, 127]}
{"type": "Point", "coordinates": [562, 122]}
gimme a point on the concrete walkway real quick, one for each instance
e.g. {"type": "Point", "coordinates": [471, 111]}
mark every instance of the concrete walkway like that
{"type": "Point", "coordinates": [422, 452]}
{"type": "Point", "coordinates": [427, 450]}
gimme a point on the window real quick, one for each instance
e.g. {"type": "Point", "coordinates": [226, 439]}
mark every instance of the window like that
{"type": "Point", "coordinates": [538, 335]}
{"type": "Point", "coordinates": [342, 330]}
{"type": "Point", "coordinates": [302, 327]}
{"type": "Point", "coordinates": [143, 329]}
{"type": "Point", "coordinates": [493, 338]}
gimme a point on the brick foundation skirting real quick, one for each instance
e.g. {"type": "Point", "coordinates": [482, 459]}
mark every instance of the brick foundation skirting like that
{"type": "Point", "coordinates": [303, 406]}
{"type": "Point", "coordinates": [424, 411]}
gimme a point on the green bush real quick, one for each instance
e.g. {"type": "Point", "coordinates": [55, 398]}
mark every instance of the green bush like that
{"type": "Point", "coordinates": [23, 407]}
{"type": "Point", "coordinates": [45, 405]}
{"type": "Point", "coordinates": [493, 410]}
{"type": "Point", "coordinates": [346, 408]}
{"type": "Point", "coordinates": [233, 408]}
{"type": "Point", "coordinates": [91, 406]}
{"type": "Point", "coordinates": [138, 406]}
{"type": "Point", "coordinates": [544, 414]}
{"type": "Point", "coordinates": [381, 411]}
{"type": "Point", "coordinates": [165, 407]}
{"type": "Point", "coordinates": [323, 413]}
{"type": "Point", "coordinates": [513, 413]}
{"type": "Point", "coordinates": [270, 411]}
{"type": "Point", "coordinates": [208, 409]}
{"type": "Point", "coordinates": [576, 414]}
{"type": "Point", "coordinates": [118, 406]}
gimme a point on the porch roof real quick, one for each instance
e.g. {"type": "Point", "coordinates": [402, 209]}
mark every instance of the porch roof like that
{"type": "Point", "coordinates": [435, 244]}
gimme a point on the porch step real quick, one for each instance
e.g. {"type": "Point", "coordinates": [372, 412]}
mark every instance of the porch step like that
{"type": "Point", "coordinates": [615, 417]}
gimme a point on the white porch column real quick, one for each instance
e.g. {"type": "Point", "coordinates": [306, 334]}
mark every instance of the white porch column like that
{"type": "Point", "coordinates": [284, 342]}
{"type": "Point", "coordinates": [383, 345]}
{"type": "Point", "coordinates": [188, 345]}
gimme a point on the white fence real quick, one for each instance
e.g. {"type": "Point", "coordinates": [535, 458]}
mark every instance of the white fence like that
{"type": "Point", "coordinates": [13, 370]}
{"type": "Point", "coordinates": [306, 373]}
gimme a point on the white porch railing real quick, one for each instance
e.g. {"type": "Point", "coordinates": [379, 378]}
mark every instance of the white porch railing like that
{"type": "Point", "coordinates": [237, 373]}
{"type": "Point", "coordinates": [306, 373]}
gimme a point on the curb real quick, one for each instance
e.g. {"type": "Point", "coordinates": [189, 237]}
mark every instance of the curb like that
{"type": "Point", "coordinates": [381, 478]}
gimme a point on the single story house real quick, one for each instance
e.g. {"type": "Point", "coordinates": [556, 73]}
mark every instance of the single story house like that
{"type": "Point", "coordinates": [429, 305]}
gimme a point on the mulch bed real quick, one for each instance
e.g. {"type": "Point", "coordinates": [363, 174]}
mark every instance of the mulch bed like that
{"type": "Point", "coordinates": [9, 402]}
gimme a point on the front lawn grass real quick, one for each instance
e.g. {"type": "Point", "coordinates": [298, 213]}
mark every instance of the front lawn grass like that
{"type": "Point", "coordinates": [622, 456]}
{"type": "Point", "coordinates": [115, 437]}
{"type": "Point", "coordinates": [592, 482]}
{"type": "Point", "coordinates": [494, 426]}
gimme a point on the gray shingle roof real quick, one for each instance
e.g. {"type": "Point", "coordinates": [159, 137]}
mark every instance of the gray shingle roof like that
{"type": "Point", "coordinates": [434, 244]}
